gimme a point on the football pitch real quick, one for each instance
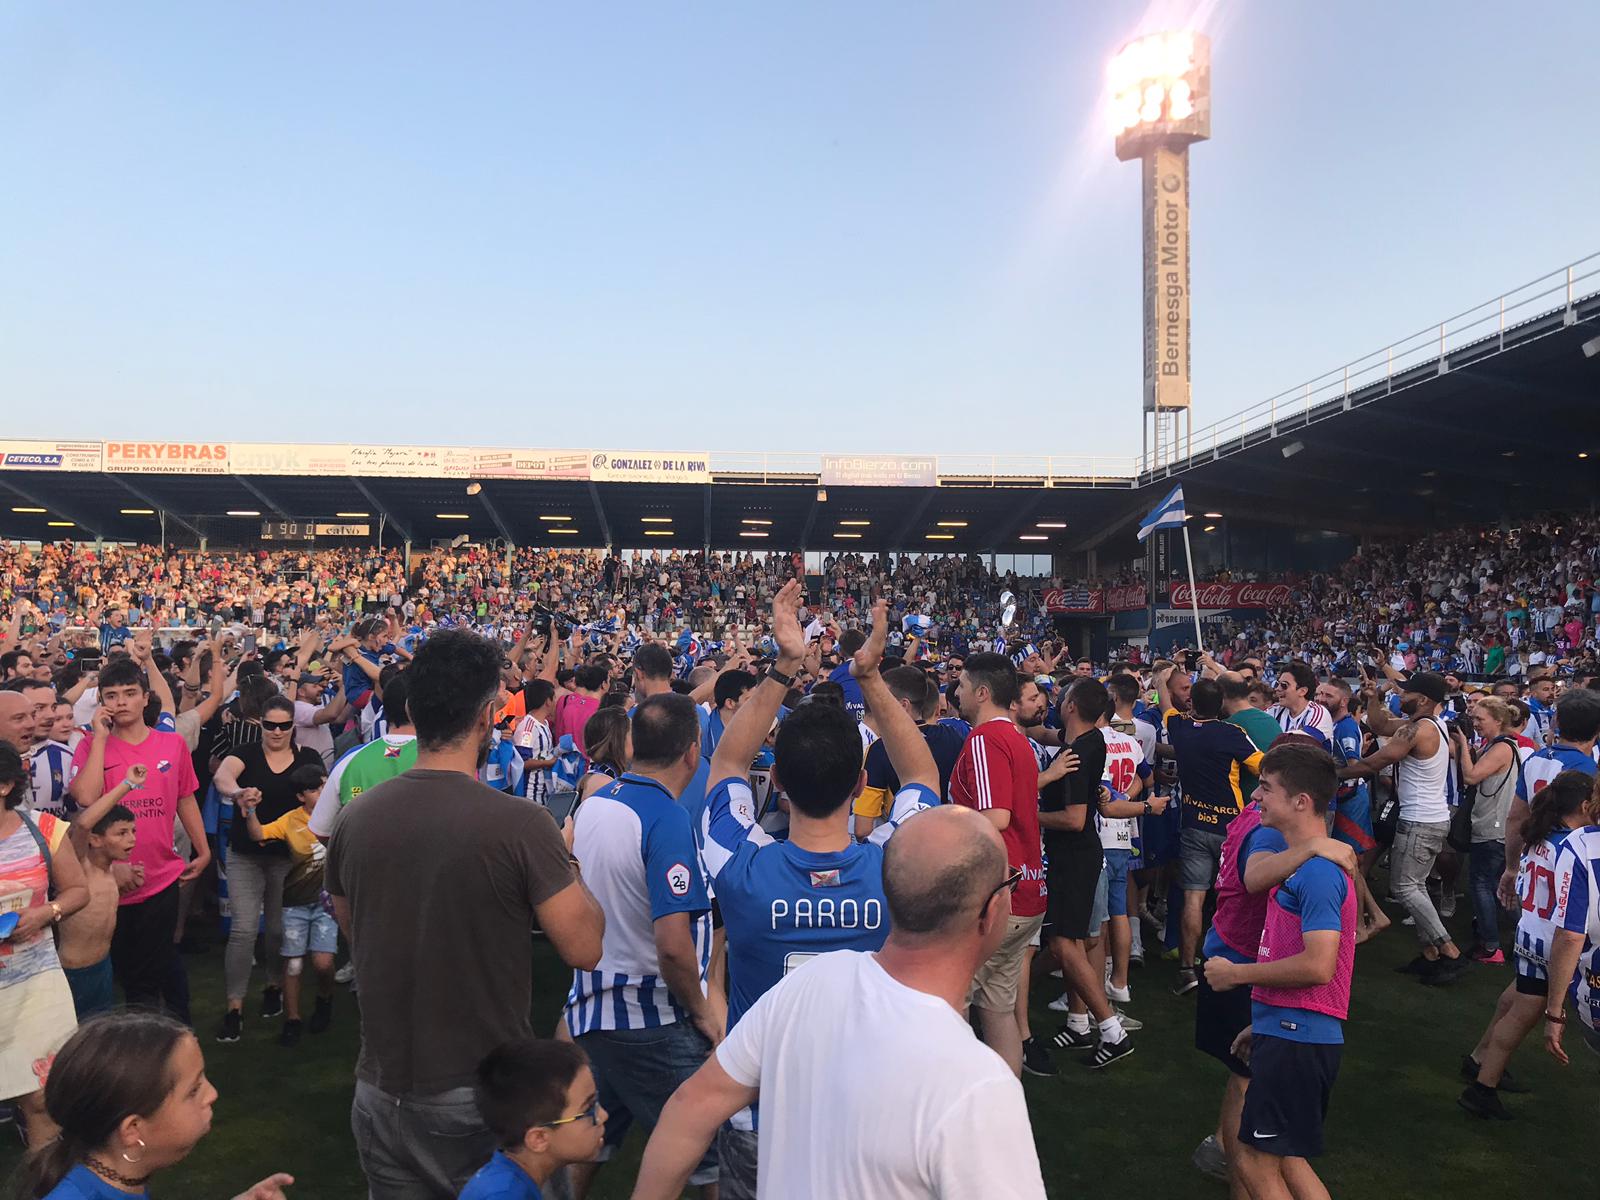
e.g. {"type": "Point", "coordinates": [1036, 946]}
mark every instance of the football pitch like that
{"type": "Point", "coordinates": [1394, 1130]}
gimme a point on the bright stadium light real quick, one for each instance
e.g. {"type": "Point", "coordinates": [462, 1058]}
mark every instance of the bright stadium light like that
{"type": "Point", "coordinates": [1160, 88]}
{"type": "Point", "coordinates": [15, 509]}
{"type": "Point", "coordinates": [243, 512]}
{"type": "Point", "coordinates": [451, 516]}
{"type": "Point", "coordinates": [556, 520]}
{"type": "Point", "coordinates": [1035, 537]}
{"type": "Point", "coordinates": [352, 514]}
{"type": "Point", "coordinates": [655, 520]}
{"type": "Point", "coordinates": [752, 533]}
{"type": "Point", "coordinates": [853, 536]}
{"type": "Point", "coordinates": [474, 488]}
{"type": "Point", "coordinates": [558, 529]}
{"type": "Point", "coordinates": [862, 524]}
{"type": "Point", "coordinates": [658, 533]}
{"type": "Point", "coordinates": [754, 521]}
{"type": "Point", "coordinates": [60, 524]}
{"type": "Point", "coordinates": [952, 524]}
{"type": "Point", "coordinates": [1214, 516]}
{"type": "Point", "coordinates": [137, 512]}
{"type": "Point", "coordinates": [940, 537]}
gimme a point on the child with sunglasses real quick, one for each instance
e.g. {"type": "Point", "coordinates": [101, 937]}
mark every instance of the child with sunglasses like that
{"type": "Point", "coordinates": [540, 1100]}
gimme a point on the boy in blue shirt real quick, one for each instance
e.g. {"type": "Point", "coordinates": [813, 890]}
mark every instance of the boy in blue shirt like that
{"type": "Point", "coordinates": [540, 1100]}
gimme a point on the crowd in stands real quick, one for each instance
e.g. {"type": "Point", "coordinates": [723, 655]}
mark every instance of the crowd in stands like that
{"type": "Point", "coordinates": [795, 855]}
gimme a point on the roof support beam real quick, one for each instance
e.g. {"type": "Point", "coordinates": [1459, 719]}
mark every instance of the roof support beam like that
{"type": "Point", "coordinates": [372, 498]}
{"type": "Point", "coordinates": [88, 524]}
{"type": "Point", "coordinates": [140, 494]}
{"type": "Point", "coordinates": [811, 520]}
{"type": "Point", "coordinates": [912, 517]}
{"type": "Point", "coordinates": [600, 513]}
{"type": "Point", "coordinates": [261, 495]}
{"type": "Point", "coordinates": [493, 510]}
{"type": "Point", "coordinates": [1020, 516]}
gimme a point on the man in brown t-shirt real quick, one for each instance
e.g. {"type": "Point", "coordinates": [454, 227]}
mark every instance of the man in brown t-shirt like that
{"type": "Point", "coordinates": [437, 880]}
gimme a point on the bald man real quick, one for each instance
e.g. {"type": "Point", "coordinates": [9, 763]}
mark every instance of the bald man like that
{"type": "Point", "coordinates": [870, 1054]}
{"type": "Point", "coordinates": [16, 720]}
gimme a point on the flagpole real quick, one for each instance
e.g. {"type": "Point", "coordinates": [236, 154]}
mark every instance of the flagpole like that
{"type": "Point", "coordinates": [1194, 593]}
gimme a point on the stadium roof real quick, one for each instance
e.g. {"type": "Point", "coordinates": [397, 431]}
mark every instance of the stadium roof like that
{"type": "Point", "coordinates": [1489, 416]}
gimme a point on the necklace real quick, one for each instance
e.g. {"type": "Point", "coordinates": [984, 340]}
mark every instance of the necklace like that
{"type": "Point", "coordinates": [105, 1172]}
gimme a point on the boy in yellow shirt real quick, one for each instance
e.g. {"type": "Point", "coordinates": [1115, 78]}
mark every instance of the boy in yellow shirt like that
{"type": "Point", "coordinates": [308, 922]}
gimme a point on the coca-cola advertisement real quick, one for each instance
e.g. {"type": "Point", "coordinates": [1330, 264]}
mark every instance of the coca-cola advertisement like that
{"type": "Point", "coordinates": [1232, 595]}
{"type": "Point", "coordinates": [1127, 597]}
{"type": "Point", "coordinates": [1074, 600]}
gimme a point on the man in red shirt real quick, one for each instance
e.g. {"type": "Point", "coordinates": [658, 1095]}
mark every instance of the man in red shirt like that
{"type": "Point", "coordinates": [998, 775]}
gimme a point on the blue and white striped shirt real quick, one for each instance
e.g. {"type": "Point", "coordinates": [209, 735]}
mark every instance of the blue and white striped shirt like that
{"type": "Point", "coordinates": [51, 764]}
{"type": "Point", "coordinates": [640, 862]}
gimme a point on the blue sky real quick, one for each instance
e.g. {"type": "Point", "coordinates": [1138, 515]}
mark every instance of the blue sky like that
{"type": "Point", "coordinates": [823, 226]}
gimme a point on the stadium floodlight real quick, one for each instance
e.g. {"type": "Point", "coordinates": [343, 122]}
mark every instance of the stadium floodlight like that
{"type": "Point", "coordinates": [658, 533]}
{"type": "Point", "coordinates": [556, 520]}
{"type": "Point", "coordinates": [853, 536]}
{"type": "Point", "coordinates": [559, 529]}
{"type": "Point", "coordinates": [1160, 91]}
{"type": "Point", "coordinates": [754, 521]}
{"type": "Point", "coordinates": [244, 512]}
{"type": "Point", "coordinates": [474, 488]}
{"type": "Point", "coordinates": [655, 520]}
{"type": "Point", "coordinates": [1035, 537]}
{"type": "Point", "coordinates": [952, 524]}
{"type": "Point", "coordinates": [1213, 516]}
{"type": "Point", "coordinates": [1209, 529]}
{"type": "Point", "coordinates": [60, 524]}
{"type": "Point", "coordinates": [1591, 347]}
{"type": "Point", "coordinates": [352, 514]}
{"type": "Point", "coordinates": [1050, 525]}
{"type": "Point", "coordinates": [862, 524]}
{"type": "Point", "coordinates": [940, 537]}
{"type": "Point", "coordinates": [451, 516]}
{"type": "Point", "coordinates": [752, 533]}
{"type": "Point", "coordinates": [137, 512]}
{"type": "Point", "coordinates": [15, 509]}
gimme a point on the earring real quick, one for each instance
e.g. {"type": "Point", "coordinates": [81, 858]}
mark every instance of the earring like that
{"type": "Point", "coordinates": [128, 1158]}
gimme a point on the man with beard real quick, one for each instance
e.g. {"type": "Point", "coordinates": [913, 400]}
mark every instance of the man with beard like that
{"type": "Point", "coordinates": [436, 869]}
{"type": "Point", "coordinates": [1352, 810]}
{"type": "Point", "coordinates": [1424, 786]}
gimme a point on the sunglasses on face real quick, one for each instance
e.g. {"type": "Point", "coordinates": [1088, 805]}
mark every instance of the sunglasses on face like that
{"type": "Point", "coordinates": [278, 726]}
{"type": "Point", "coordinates": [592, 1113]}
{"type": "Point", "coordinates": [1009, 883]}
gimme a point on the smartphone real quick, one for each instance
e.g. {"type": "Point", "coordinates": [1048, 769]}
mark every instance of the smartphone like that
{"type": "Point", "coordinates": [249, 643]}
{"type": "Point", "coordinates": [562, 805]}
{"type": "Point", "coordinates": [1191, 659]}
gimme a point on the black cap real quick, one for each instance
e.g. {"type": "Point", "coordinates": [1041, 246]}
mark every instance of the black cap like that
{"type": "Point", "coordinates": [309, 677]}
{"type": "Point", "coordinates": [1429, 684]}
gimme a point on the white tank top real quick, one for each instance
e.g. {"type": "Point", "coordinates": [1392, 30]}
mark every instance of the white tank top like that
{"type": "Point", "coordinates": [1422, 785]}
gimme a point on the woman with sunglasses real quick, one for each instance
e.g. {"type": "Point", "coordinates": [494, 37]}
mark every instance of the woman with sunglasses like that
{"type": "Point", "coordinates": [261, 775]}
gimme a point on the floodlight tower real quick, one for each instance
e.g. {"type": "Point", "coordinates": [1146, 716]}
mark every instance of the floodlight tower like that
{"type": "Point", "coordinates": [1160, 105]}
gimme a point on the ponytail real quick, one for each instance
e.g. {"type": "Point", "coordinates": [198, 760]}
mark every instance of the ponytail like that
{"type": "Point", "coordinates": [1568, 793]}
{"type": "Point", "coordinates": [46, 1166]}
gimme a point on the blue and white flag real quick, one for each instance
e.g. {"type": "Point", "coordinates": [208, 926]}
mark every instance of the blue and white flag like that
{"type": "Point", "coordinates": [917, 624]}
{"type": "Point", "coordinates": [1168, 514]}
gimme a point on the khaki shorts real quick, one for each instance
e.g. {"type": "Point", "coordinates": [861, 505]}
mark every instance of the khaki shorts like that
{"type": "Point", "coordinates": [994, 987]}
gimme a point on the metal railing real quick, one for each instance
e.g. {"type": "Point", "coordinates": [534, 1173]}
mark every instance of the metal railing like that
{"type": "Point", "coordinates": [991, 469]}
{"type": "Point", "coordinates": [1425, 354]}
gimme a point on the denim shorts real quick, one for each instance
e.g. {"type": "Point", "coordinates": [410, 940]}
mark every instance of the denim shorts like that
{"type": "Point", "coordinates": [309, 927]}
{"type": "Point", "coordinates": [1116, 882]}
{"type": "Point", "coordinates": [636, 1072]}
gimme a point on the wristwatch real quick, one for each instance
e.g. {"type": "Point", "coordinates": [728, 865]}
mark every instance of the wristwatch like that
{"type": "Point", "coordinates": [778, 676]}
{"type": "Point", "coordinates": [1147, 808]}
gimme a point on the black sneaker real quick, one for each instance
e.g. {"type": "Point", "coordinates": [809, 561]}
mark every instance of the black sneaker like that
{"type": "Point", "coordinates": [1071, 1039]}
{"type": "Point", "coordinates": [271, 1002]}
{"type": "Point", "coordinates": [322, 1016]}
{"type": "Point", "coordinates": [1483, 1102]}
{"type": "Point", "coordinates": [232, 1025]}
{"type": "Point", "coordinates": [1036, 1059]}
{"type": "Point", "coordinates": [1420, 965]}
{"type": "Point", "coordinates": [1509, 1083]}
{"type": "Point", "coordinates": [1110, 1052]}
{"type": "Point", "coordinates": [1187, 982]}
{"type": "Point", "coordinates": [290, 1035]}
{"type": "Point", "coordinates": [1444, 971]}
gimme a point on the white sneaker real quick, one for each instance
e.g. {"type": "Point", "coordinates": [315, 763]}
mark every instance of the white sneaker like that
{"type": "Point", "coordinates": [1447, 905]}
{"type": "Point", "coordinates": [1062, 1003]}
{"type": "Point", "coordinates": [345, 973]}
{"type": "Point", "coordinates": [1129, 1024]}
{"type": "Point", "coordinates": [1121, 995]}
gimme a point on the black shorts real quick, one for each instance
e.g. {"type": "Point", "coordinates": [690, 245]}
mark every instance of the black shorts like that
{"type": "Point", "coordinates": [1072, 878]}
{"type": "Point", "coordinates": [1218, 1019]}
{"type": "Point", "coordinates": [1528, 985]}
{"type": "Point", "coordinates": [1290, 1085]}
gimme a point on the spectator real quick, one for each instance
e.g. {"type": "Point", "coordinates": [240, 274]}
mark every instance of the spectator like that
{"type": "Point", "coordinates": [130, 1096]}
{"type": "Point", "coordinates": [998, 775]}
{"type": "Point", "coordinates": [643, 1017]}
{"type": "Point", "coordinates": [36, 1010]}
{"type": "Point", "coordinates": [432, 866]}
{"type": "Point", "coordinates": [870, 1055]}
{"type": "Point", "coordinates": [315, 713]}
{"type": "Point", "coordinates": [540, 1100]}
{"type": "Point", "coordinates": [259, 780]}
{"type": "Point", "coordinates": [609, 736]}
{"type": "Point", "coordinates": [143, 954]}
{"type": "Point", "coordinates": [1494, 772]}
{"type": "Point", "coordinates": [102, 835]}
{"type": "Point", "coordinates": [392, 753]}
{"type": "Point", "coordinates": [534, 741]}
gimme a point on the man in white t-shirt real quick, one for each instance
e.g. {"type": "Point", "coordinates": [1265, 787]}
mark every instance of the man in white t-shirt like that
{"type": "Point", "coordinates": [870, 1055]}
{"type": "Point", "coordinates": [314, 716]}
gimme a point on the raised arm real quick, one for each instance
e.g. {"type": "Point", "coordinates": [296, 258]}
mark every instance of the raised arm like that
{"type": "Point", "coordinates": [742, 739]}
{"type": "Point", "coordinates": [907, 748]}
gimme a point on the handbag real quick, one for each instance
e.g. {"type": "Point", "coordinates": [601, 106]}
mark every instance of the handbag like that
{"type": "Point", "coordinates": [1460, 836]}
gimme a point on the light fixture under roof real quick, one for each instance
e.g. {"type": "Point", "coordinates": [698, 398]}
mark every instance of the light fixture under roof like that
{"type": "Point", "coordinates": [137, 512]}
{"type": "Point", "coordinates": [940, 537]}
{"type": "Point", "coordinates": [754, 521]}
{"type": "Point", "coordinates": [474, 488]}
{"type": "Point", "coordinates": [15, 509]}
{"type": "Point", "coordinates": [559, 529]}
{"type": "Point", "coordinates": [60, 524]}
{"type": "Point", "coordinates": [656, 520]}
{"type": "Point", "coordinates": [243, 512]}
{"type": "Point", "coordinates": [556, 520]}
{"type": "Point", "coordinates": [1034, 537]}
{"type": "Point", "coordinates": [752, 533]}
{"type": "Point", "coordinates": [451, 516]}
{"type": "Point", "coordinates": [1213, 516]}
{"type": "Point", "coordinates": [1050, 525]}
{"type": "Point", "coordinates": [352, 514]}
{"type": "Point", "coordinates": [852, 536]}
{"type": "Point", "coordinates": [860, 524]}
{"type": "Point", "coordinates": [951, 524]}
{"type": "Point", "coordinates": [1209, 529]}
